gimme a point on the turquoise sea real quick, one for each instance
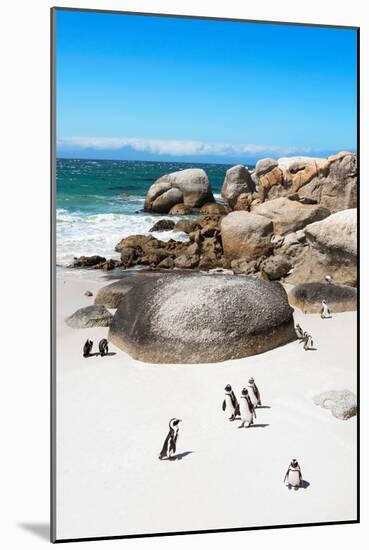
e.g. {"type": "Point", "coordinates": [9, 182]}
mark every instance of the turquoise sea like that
{"type": "Point", "coordinates": [101, 201]}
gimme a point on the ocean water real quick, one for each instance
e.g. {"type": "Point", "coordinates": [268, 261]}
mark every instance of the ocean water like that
{"type": "Point", "coordinates": [98, 202]}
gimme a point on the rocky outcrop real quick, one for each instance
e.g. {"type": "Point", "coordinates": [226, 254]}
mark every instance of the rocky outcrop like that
{"type": "Point", "coordinates": [200, 319]}
{"type": "Point", "coordinates": [90, 316]}
{"type": "Point", "coordinates": [330, 182]}
{"type": "Point", "coordinates": [308, 297]}
{"type": "Point", "coordinates": [189, 187]}
{"type": "Point", "coordinates": [332, 250]}
{"type": "Point", "coordinates": [290, 215]}
{"type": "Point", "coordinates": [88, 261]}
{"type": "Point", "coordinates": [237, 181]}
{"type": "Point", "coordinates": [203, 250]}
{"type": "Point", "coordinates": [246, 235]}
{"type": "Point", "coordinates": [341, 403]}
{"type": "Point", "coordinates": [162, 225]}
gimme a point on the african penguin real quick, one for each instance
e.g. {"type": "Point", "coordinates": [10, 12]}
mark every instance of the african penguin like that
{"type": "Point", "coordinates": [103, 347]}
{"type": "Point", "coordinates": [170, 443]}
{"type": "Point", "coordinates": [308, 341]}
{"type": "Point", "coordinates": [328, 279]}
{"type": "Point", "coordinates": [87, 348]}
{"type": "Point", "coordinates": [293, 475]}
{"type": "Point", "coordinates": [325, 311]}
{"type": "Point", "coordinates": [230, 403]}
{"type": "Point", "coordinates": [254, 393]}
{"type": "Point", "coordinates": [247, 410]}
{"type": "Point", "coordinates": [299, 332]}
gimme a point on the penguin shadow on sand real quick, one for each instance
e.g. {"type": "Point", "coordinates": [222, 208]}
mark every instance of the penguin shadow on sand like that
{"type": "Point", "coordinates": [179, 456]}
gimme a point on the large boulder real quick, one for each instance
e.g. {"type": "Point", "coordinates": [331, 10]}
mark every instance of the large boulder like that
{"type": "Point", "coordinates": [289, 215]}
{"type": "Point", "coordinates": [199, 318]}
{"type": "Point", "coordinates": [246, 235]}
{"type": "Point", "coordinates": [237, 181]}
{"type": "Point", "coordinates": [190, 187]}
{"type": "Point", "coordinates": [330, 182]}
{"type": "Point", "coordinates": [332, 250]}
{"type": "Point", "coordinates": [89, 317]}
{"type": "Point", "coordinates": [309, 296]}
{"type": "Point", "coordinates": [341, 403]}
{"type": "Point", "coordinates": [275, 267]}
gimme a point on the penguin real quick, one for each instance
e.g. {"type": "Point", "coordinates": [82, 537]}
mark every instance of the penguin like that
{"type": "Point", "coordinates": [308, 341]}
{"type": "Point", "coordinates": [103, 347]}
{"type": "Point", "coordinates": [170, 443]}
{"type": "Point", "coordinates": [328, 279]}
{"type": "Point", "coordinates": [247, 410]}
{"type": "Point", "coordinates": [293, 475]}
{"type": "Point", "coordinates": [299, 332]}
{"type": "Point", "coordinates": [230, 403]}
{"type": "Point", "coordinates": [87, 348]}
{"type": "Point", "coordinates": [254, 393]}
{"type": "Point", "coordinates": [325, 312]}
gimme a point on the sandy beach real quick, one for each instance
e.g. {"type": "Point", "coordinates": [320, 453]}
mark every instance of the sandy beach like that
{"type": "Point", "coordinates": [112, 418]}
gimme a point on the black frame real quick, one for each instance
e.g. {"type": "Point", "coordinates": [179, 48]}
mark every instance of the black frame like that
{"type": "Point", "coordinates": [53, 538]}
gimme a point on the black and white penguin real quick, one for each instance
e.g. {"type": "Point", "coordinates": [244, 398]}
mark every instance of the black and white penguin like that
{"type": "Point", "coordinates": [325, 312]}
{"type": "Point", "coordinates": [230, 403]}
{"type": "Point", "coordinates": [293, 475]}
{"type": "Point", "coordinates": [87, 348]}
{"type": "Point", "coordinates": [254, 393]}
{"type": "Point", "coordinates": [103, 347]}
{"type": "Point", "coordinates": [170, 443]}
{"type": "Point", "coordinates": [299, 332]}
{"type": "Point", "coordinates": [308, 341]}
{"type": "Point", "coordinates": [328, 279]}
{"type": "Point", "coordinates": [247, 409]}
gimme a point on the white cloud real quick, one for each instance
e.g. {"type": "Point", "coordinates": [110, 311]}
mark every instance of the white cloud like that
{"type": "Point", "coordinates": [174, 147]}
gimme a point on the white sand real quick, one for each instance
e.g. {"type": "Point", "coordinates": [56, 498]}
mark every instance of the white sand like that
{"type": "Point", "coordinates": [112, 418]}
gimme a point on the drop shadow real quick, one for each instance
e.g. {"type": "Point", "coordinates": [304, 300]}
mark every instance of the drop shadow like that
{"type": "Point", "coordinates": [263, 407]}
{"type": "Point", "coordinates": [312, 349]}
{"type": "Point", "coordinates": [42, 530]}
{"type": "Point", "coordinates": [254, 426]}
{"type": "Point", "coordinates": [179, 456]}
{"type": "Point", "coordinates": [97, 354]}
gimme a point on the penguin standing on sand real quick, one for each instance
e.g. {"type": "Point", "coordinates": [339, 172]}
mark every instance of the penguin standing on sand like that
{"type": "Point", "coordinates": [293, 475]}
{"type": "Point", "coordinates": [247, 410]}
{"type": "Point", "coordinates": [103, 347]}
{"type": "Point", "coordinates": [325, 312]}
{"type": "Point", "coordinates": [299, 332]}
{"type": "Point", "coordinates": [308, 341]}
{"type": "Point", "coordinates": [87, 348]}
{"type": "Point", "coordinates": [230, 403]}
{"type": "Point", "coordinates": [170, 443]}
{"type": "Point", "coordinates": [328, 279]}
{"type": "Point", "coordinates": [254, 393]}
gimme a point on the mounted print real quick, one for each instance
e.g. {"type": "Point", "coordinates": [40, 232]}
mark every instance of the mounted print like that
{"type": "Point", "coordinates": [204, 274]}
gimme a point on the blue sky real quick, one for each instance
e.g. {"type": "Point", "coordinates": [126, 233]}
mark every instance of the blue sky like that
{"type": "Point", "coordinates": [143, 87]}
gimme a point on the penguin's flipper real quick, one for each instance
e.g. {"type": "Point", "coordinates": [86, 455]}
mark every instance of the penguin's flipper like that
{"type": "Point", "coordinates": [237, 410]}
{"type": "Point", "coordinates": [164, 451]}
{"type": "Point", "coordinates": [224, 405]}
